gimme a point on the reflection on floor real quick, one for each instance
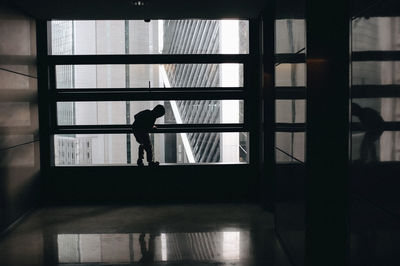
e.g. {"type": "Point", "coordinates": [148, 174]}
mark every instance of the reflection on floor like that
{"type": "Point", "coordinates": [155, 235]}
{"type": "Point", "coordinates": [128, 248]}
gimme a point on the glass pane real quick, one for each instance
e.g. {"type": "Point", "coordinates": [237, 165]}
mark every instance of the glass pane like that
{"type": "Point", "coordinates": [379, 148]}
{"type": "Point", "coordinates": [176, 112]}
{"type": "Point", "coordinates": [376, 33]}
{"type": "Point", "coordinates": [290, 75]}
{"type": "Point", "coordinates": [387, 108]}
{"type": "Point", "coordinates": [290, 111]}
{"type": "Point", "coordinates": [122, 149]}
{"type": "Point", "coordinates": [290, 35]}
{"type": "Point", "coordinates": [376, 73]}
{"type": "Point", "coordinates": [145, 76]}
{"type": "Point", "coordinates": [192, 36]}
{"type": "Point", "coordinates": [290, 146]}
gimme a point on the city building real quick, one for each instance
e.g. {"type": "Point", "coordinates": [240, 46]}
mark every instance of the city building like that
{"type": "Point", "coordinates": [164, 37]}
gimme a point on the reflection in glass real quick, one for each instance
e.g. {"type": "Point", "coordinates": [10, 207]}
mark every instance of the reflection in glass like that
{"type": "Point", "coordinates": [147, 248]}
{"type": "Point", "coordinates": [176, 112]}
{"type": "Point", "coordinates": [101, 149]}
{"type": "Point", "coordinates": [290, 75]}
{"type": "Point", "coordinates": [12, 81]}
{"type": "Point", "coordinates": [290, 146]}
{"type": "Point", "coordinates": [193, 36]}
{"type": "Point", "coordinates": [376, 72]}
{"type": "Point", "coordinates": [376, 33]}
{"type": "Point", "coordinates": [164, 247]}
{"type": "Point", "coordinates": [290, 35]}
{"type": "Point", "coordinates": [68, 248]}
{"type": "Point", "coordinates": [15, 114]}
{"type": "Point", "coordinates": [372, 124]}
{"type": "Point", "coordinates": [372, 241]}
{"type": "Point", "coordinates": [388, 108]}
{"type": "Point", "coordinates": [387, 147]}
{"type": "Point", "coordinates": [90, 246]}
{"type": "Point", "coordinates": [290, 111]}
{"type": "Point", "coordinates": [231, 245]}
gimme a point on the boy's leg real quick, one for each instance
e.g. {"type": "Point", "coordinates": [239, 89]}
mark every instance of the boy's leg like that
{"type": "Point", "coordinates": [139, 136]}
{"type": "Point", "coordinates": [148, 147]}
{"type": "Point", "coordinates": [140, 155]}
{"type": "Point", "coordinates": [141, 152]}
{"type": "Point", "coordinates": [149, 151]}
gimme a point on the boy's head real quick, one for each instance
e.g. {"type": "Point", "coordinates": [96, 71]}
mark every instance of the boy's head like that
{"type": "Point", "coordinates": [158, 110]}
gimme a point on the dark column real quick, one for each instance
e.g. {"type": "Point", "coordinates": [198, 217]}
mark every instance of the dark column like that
{"type": "Point", "coordinates": [44, 109]}
{"type": "Point", "coordinates": [268, 104]}
{"type": "Point", "coordinates": [327, 131]}
{"type": "Point", "coordinates": [254, 99]}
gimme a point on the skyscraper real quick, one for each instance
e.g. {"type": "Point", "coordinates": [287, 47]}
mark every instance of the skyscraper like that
{"type": "Point", "coordinates": [167, 37]}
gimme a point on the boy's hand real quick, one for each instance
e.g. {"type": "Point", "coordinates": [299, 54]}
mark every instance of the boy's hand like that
{"type": "Point", "coordinates": [154, 127]}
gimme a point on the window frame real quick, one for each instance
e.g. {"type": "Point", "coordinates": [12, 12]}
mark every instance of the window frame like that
{"type": "Point", "coordinates": [245, 93]}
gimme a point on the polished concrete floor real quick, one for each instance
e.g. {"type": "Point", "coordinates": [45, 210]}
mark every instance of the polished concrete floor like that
{"type": "Point", "coordinates": [217, 234]}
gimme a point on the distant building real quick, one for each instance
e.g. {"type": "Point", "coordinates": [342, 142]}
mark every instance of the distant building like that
{"type": "Point", "coordinates": [73, 151]}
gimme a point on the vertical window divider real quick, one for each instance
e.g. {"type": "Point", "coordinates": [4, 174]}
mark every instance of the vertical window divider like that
{"type": "Point", "coordinates": [52, 90]}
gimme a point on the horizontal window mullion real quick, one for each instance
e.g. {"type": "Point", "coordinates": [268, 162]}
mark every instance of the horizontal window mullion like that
{"type": "Point", "coordinates": [145, 59]}
{"type": "Point", "coordinates": [375, 91]}
{"type": "Point", "coordinates": [289, 58]}
{"type": "Point", "coordinates": [290, 93]}
{"type": "Point", "coordinates": [176, 128]}
{"type": "Point", "coordinates": [290, 127]}
{"type": "Point", "coordinates": [376, 56]}
{"type": "Point", "coordinates": [147, 90]}
{"type": "Point", "coordinates": [149, 95]}
{"type": "Point", "coordinates": [387, 126]}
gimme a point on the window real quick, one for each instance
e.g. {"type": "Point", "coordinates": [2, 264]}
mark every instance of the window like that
{"type": "Point", "coordinates": [102, 73]}
{"type": "Point", "coordinates": [177, 112]}
{"type": "Point", "coordinates": [290, 87]}
{"type": "Point", "coordinates": [150, 76]}
{"type": "Point", "coordinates": [106, 37]}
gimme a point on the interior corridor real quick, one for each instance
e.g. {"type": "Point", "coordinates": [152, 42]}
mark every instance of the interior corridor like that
{"type": "Point", "coordinates": [218, 234]}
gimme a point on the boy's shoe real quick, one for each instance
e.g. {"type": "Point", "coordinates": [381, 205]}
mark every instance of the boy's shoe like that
{"type": "Point", "coordinates": [140, 162]}
{"type": "Point", "coordinates": [154, 163]}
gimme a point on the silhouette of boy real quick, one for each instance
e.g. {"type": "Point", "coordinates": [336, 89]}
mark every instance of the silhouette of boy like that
{"type": "Point", "coordinates": [147, 254]}
{"type": "Point", "coordinates": [144, 122]}
{"type": "Point", "coordinates": [372, 123]}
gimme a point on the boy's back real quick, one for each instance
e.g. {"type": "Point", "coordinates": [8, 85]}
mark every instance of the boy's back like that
{"type": "Point", "coordinates": [144, 121]}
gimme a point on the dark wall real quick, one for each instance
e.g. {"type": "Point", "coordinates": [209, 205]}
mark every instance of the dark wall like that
{"type": "Point", "coordinates": [19, 130]}
{"type": "Point", "coordinates": [375, 214]}
{"type": "Point", "coordinates": [290, 210]}
{"type": "Point", "coordinates": [163, 184]}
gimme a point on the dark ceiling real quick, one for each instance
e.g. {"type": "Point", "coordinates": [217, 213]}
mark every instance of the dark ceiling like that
{"type": "Point", "coordinates": [176, 9]}
{"type": "Point", "coordinates": [125, 9]}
